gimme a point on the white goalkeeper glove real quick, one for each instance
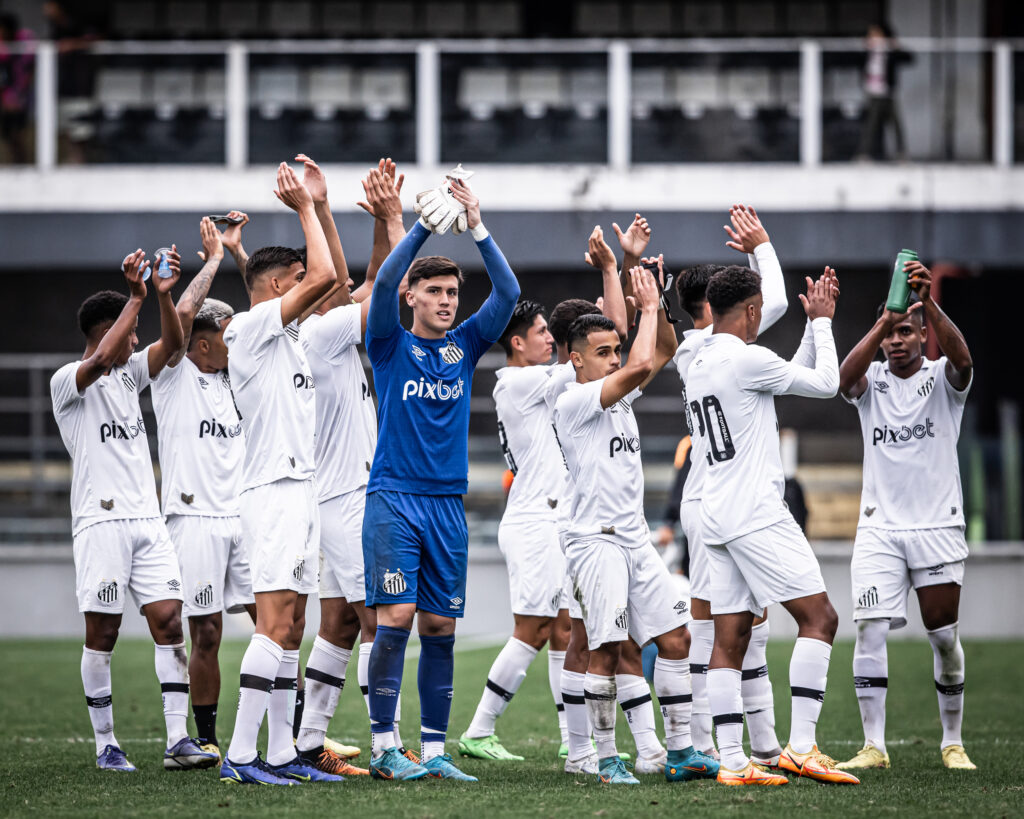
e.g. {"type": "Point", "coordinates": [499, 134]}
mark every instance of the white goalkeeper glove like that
{"type": "Point", "coordinates": [439, 211]}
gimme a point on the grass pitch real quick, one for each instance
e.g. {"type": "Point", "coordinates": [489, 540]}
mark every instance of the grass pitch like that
{"type": "Point", "coordinates": [48, 763]}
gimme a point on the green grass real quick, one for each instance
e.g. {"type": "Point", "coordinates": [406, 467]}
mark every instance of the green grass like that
{"type": "Point", "coordinates": [48, 765]}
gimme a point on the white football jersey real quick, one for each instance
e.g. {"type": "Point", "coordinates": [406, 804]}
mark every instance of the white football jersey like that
{"type": "Point", "coordinates": [523, 398]}
{"type": "Point", "coordinates": [201, 443]}
{"type": "Point", "coordinates": [273, 389]}
{"type": "Point", "coordinates": [346, 421]}
{"type": "Point", "coordinates": [730, 387]}
{"type": "Point", "coordinates": [910, 427]}
{"type": "Point", "coordinates": [693, 340]}
{"type": "Point", "coordinates": [602, 453]}
{"type": "Point", "coordinates": [103, 430]}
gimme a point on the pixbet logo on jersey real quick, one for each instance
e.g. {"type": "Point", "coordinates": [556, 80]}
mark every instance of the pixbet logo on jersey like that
{"type": "Point", "coordinates": [893, 435]}
{"type": "Point", "coordinates": [125, 431]}
{"type": "Point", "coordinates": [213, 429]}
{"type": "Point", "coordinates": [302, 381]}
{"type": "Point", "coordinates": [434, 390]}
{"type": "Point", "coordinates": [622, 443]}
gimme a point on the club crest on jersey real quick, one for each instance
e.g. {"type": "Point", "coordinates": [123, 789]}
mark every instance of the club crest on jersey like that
{"type": "Point", "coordinates": [204, 595]}
{"type": "Point", "coordinates": [926, 387]}
{"type": "Point", "coordinates": [299, 568]}
{"type": "Point", "coordinates": [128, 381]}
{"type": "Point", "coordinates": [868, 598]}
{"type": "Point", "coordinates": [416, 351]}
{"type": "Point", "coordinates": [451, 354]}
{"type": "Point", "coordinates": [293, 331]}
{"type": "Point", "coordinates": [621, 619]}
{"type": "Point", "coordinates": [107, 592]}
{"type": "Point", "coordinates": [394, 582]}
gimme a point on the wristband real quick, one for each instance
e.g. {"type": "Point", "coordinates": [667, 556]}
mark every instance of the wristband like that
{"type": "Point", "coordinates": [479, 232]}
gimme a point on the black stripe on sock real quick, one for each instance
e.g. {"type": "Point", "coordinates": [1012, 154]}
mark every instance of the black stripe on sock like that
{"type": "Point", "coordinates": [754, 673]}
{"type": "Point", "coordinates": [810, 693]}
{"type": "Point", "coordinates": [99, 702]}
{"type": "Point", "coordinates": [286, 684]}
{"type": "Point", "coordinates": [590, 695]}
{"type": "Point", "coordinates": [949, 690]}
{"type": "Point", "coordinates": [501, 692]}
{"type": "Point", "coordinates": [364, 689]}
{"type": "Point", "coordinates": [726, 719]}
{"type": "Point", "coordinates": [870, 682]}
{"type": "Point", "coordinates": [633, 703]}
{"type": "Point", "coordinates": [675, 699]}
{"type": "Point", "coordinates": [324, 677]}
{"type": "Point", "coordinates": [573, 699]}
{"type": "Point", "coordinates": [254, 681]}
{"type": "Point", "coordinates": [173, 688]}
{"type": "Point", "coordinates": [559, 706]}
{"type": "Point", "coordinates": [698, 668]}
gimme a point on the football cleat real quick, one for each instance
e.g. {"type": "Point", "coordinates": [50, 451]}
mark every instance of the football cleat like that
{"type": "Point", "coordinates": [256, 772]}
{"type": "Point", "coordinates": [867, 757]}
{"type": "Point", "coordinates": [815, 765]}
{"type": "Point", "coordinates": [441, 767]}
{"type": "Point", "coordinates": [344, 751]}
{"type": "Point", "coordinates": [410, 754]}
{"type": "Point", "coordinates": [302, 771]}
{"type": "Point", "coordinates": [563, 752]}
{"type": "Point", "coordinates": [393, 765]}
{"type": "Point", "coordinates": [650, 764]}
{"type": "Point", "coordinates": [210, 748]}
{"type": "Point", "coordinates": [612, 771]}
{"type": "Point", "coordinates": [489, 747]}
{"type": "Point", "coordinates": [587, 765]}
{"type": "Point", "coordinates": [187, 755]}
{"type": "Point", "coordinates": [688, 764]}
{"type": "Point", "coordinates": [113, 759]}
{"type": "Point", "coordinates": [955, 757]}
{"type": "Point", "coordinates": [770, 761]}
{"type": "Point", "coordinates": [329, 762]}
{"type": "Point", "coordinates": [752, 774]}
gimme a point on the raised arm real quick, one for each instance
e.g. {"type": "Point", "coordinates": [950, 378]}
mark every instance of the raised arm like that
{"type": "Point", "coordinates": [384, 204]}
{"type": "Point", "coordinates": [316, 183]}
{"type": "Point", "coordinates": [640, 364]}
{"type": "Point", "coordinates": [633, 243]}
{"type": "Point", "coordinates": [232, 240]}
{"type": "Point", "coordinates": [613, 302]}
{"type": "Point", "coordinates": [805, 354]}
{"type": "Point", "coordinates": [823, 380]}
{"type": "Point", "coordinates": [172, 337]}
{"type": "Point", "coordinates": [748, 235]}
{"type": "Point", "coordinates": [383, 317]}
{"type": "Point", "coordinates": [195, 294]}
{"type": "Point", "coordinates": [959, 364]}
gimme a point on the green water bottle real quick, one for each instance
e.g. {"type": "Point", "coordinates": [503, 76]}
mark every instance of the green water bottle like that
{"type": "Point", "coordinates": [899, 290]}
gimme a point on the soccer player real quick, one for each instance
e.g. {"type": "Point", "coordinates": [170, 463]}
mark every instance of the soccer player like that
{"type": "Point", "coordinates": [346, 433]}
{"type": "Point", "coordinates": [414, 529]}
{"type": "Point", "coordinates": [746, 235]}
{"type": "Point", "coordinates": [120, 541]}
{"type": "Point", "coordinates": [201, 453]}
{"type": "Point", "coordinates": [911, 528]}
{"type": "Point", "coordinates": [273, 388]}
{"type": "Point", "coordinates": [757, 555]}
{"type": "Point", "coordinates": [622, 584]}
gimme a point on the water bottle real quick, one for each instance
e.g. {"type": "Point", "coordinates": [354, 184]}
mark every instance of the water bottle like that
{"type": "Point", "coordinates": [899, 289]}
{"type": "Point", "coordinates": [163, 270]}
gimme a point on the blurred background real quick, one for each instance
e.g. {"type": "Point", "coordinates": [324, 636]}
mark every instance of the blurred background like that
{"type": "Point", "coordinates": [855, 127]}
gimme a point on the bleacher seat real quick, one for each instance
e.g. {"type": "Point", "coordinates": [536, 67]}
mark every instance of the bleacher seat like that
{"type": "Point", "coordinates": [382, 90]}
{"type": "Point", "coordinates": [211, 91]}
{"type": "Point", "coordinates": [747, 90]}
{"type": "Point", "coordinates": [695, 90]}
{"type": "Point", "coordinates": [843, 88]}
{"type": "Point", "coordinates": [274, 90]}
{"type": "Point", "coordinates": [588, 91]}
{"type": "Point", "coordinates": [330, 89]}
{"type": "Point", "coordinates": [649, 91]}
{"type": "Point", "coordinates": [120, 88]}
{"type": "Point", "coordinates": [445, 19]}
{"type": "Point", "coordinates": [173, 89]}
{"type": "Point", "coordinates": [293, 18]}
{"type": "Point", "coordinates": [789, 91]}
{"type": "Point", "coordinates": [482, 91]}
{"type": "Point", "coordinates": [538, 89]}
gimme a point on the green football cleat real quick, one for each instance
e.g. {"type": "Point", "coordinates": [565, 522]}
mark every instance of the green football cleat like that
{"type": "Point", "coordinates": [486, 748]}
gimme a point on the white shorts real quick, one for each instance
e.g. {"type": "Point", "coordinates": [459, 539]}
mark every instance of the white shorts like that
{"type": "Point", "coordinates": [700, 571]}
{"type": "Point", "coordinates": [214, 569]}
{"type": "Point", "coordinates": [887, 564]}
{"type": "Point", "coordinates": [281, 535]}
{"type": "Point", "coordinates": [768, 566]}
{"type": "Point", "coordinates": [569, 597]}
{"type": "Point", "coordinates": [624, 592]}
{"type": "Point", "coordinates": [536, 566]}
{"type": "Point", "coordinates": [341, 546]}
{"type": "Point", "coordinates": [114, 557]}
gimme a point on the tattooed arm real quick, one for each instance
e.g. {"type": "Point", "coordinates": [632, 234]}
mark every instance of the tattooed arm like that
{"type": "Point", "coordinates": [195, 294]}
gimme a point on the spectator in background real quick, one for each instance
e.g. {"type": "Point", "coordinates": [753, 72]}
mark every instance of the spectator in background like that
{"type": "Point", "coordinates": [74, 29]}
{"type": "Point", "coordinates": [883, 59]}
{"type": "Point", "coordinates": [15, 88]}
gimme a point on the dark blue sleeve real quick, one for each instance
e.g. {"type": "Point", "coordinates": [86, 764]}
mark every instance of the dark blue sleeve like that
{"type": "Point", "coordinates": [382, 319]}
{"type": "Point", "coordinates": [493, 315]}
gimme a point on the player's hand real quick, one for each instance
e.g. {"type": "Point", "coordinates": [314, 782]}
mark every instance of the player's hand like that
{"type": "Point", "coordinates": [437, 210]}
{"type": "Point", "coordinates": [462, 194]}
{"type": "Point", "coordinates": [599, 254]}
{"type": "Point", "coordinates": [891, 319]}
{"type": "Point", "coordinates": [382, 193]}
{"type": "Point", "coordinates": [820, 301]}
{"type": "Point", "coordinates": [746, 232]}
{"type": "Point", "coordinates": [646, 293]}
{"type": "Point", "coordinates": [232, 235]}
{"type": "Point", "coordinates": [919, 278]}
{"type": "Point", "coordinates": [174, 263]}
{"type": "Point", "coordinates": [660, 261]}
{"type": "Point", "coordinates": [634, 240]}
{"type": "Point", "coordinates": [313, 179]}
{"type": "Point", "coordinates": [830, 276]}
{"type": "Point", "coordinates": [134, 267]}
{"type": "Point", "coordinates": [290, 190]}
{"type": "Point", "coordinates": [213, 244]}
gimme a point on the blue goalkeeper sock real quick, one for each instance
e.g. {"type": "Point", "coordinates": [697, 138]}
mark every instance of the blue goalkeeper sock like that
{"type": "Point", "coordinates": [436, 672]}
{"type": "Point", "coordinates": [384, 678]}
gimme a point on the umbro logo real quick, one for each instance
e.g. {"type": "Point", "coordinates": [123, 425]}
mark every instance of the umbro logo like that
{"type": "Point", "coordinates": [451, 354]}
{"type": "Point", "coordinates": [456, 603]}
{"type": "Point", "coordinates": [203, 382]}
{"type": "Point", "coordinates": [937, 571]}
{"type": "Point", "coordinates": [681, 607]}
{"type": "Point", "coordinates": [174, 585]}
{"type": "Point", "coordinates": [882, 386]}
{"type": "Point", "coordinates": [416, 351]}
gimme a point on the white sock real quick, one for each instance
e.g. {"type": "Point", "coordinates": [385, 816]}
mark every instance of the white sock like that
{"type": "Point", "coordinates": [325, 679]}
{"type": "Point", "coordinates": [172, 671]}
{"type": "Point", "coordinates": [949, 681]}
{"type": "Point", "coordinates": [398, 718]}
{"type": "Point", "coordinates": [808, 675]}
{"type": "Point", "coordinates": [555, 661]}
{"type": "Point", "coordinates": [503, 680]}
{"type": "Point", "coordinates": [577, 717]}
{"type": "Point", "coordinates": [96, 682]}
{"type": "Point", "coordinates": [430, 748]}
{"type": "Point", "coordinates": [727, 714]}
{"type": "Point", "coordinates": [634, 696]}
{"type": "Point", "coordinates": [280, 745]}
{"type": "Point", "coordinates": [259, 668]}
{"type": "Point", "coordinates": [363, 672]}
{"type": "Point", "coordinates": [599, 692]}
{"type": "Point", "coordinates": [758, 700]}
{"type": "Point", "coordinates": [871, 678]}
{"type": "Point", "coordinates": [672, 687]}
{"type": "Point", "coordinates": [702, 639]}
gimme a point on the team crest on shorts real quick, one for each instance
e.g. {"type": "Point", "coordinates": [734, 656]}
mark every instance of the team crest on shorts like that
{"type": "Point", "coordinates": [107, 592]}
{"type": "Point", "coordinates": [621, 619]}
{"type": "Point", "coordinates": [394, 582]}
{"type": "Point", "coordinates": [868, 598]}
{"type": "Point", "coordinates": [204, 595]}
{"type": "Point", "coordinates": [451, 354]}
{"type": "Point", "coordinates": [300, 568]}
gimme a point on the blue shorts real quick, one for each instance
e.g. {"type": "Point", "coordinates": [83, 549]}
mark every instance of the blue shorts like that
{"type": "Point", "coordinates": [415, 549]}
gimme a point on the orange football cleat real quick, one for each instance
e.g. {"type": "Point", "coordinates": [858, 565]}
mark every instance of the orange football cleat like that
{"type": "Point", "coordinates": [753, 774]}
{"type": "Point", "coordinates": [815, 765]}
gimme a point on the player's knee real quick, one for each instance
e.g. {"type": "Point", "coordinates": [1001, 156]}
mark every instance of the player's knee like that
{"type": "Point", "coordinates": [165, 624]}
{"type": "Point", "coordinates": [675, 645]}
{"type": "Point", "coordinates": [205, 635]}
{"type": "Point", "coordinates": [102, 636]}
{"type": "Point", "coordinates": [829, 620]}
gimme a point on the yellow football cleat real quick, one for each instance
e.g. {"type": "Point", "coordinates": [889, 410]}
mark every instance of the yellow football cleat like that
{"type": "Point", "coordinates": [211, 748]}
{"type": "Point", "coordinates": [410, 754]}
{"type": "Point", "coordinates": [955, 757]}
{"type": "Point", "coordinates": [867, 757]}
{"type": "Point", "coordinates": [815, 765]}
{"type": "Point", "coordinates": [344, 751]}
{"type": "Point", "coordinates": [753, 774]}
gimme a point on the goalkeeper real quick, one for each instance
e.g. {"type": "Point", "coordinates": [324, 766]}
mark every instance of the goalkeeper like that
{"type": "Point", "coordinates": [414, 530]}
